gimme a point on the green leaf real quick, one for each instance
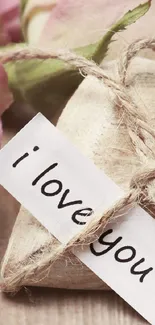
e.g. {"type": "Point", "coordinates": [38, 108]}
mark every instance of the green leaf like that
{"type": "Point", "coordinates": [44, 84]}
{"type": "Point", "coordinates": [129, 18]}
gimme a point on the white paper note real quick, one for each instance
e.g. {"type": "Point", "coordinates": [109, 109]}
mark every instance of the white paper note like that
{"type": "Point", "coordinates": [61, 188]}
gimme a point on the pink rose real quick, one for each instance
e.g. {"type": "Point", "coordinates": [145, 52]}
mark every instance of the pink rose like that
{"type": "Point", "coordinates": [6, 97]}
{"type": "Point", "coordinates": [74, 23]}
{"type": "Point", "coordinates": [9, 21]}
{"type": "Point", "coordinates": [9, 32]}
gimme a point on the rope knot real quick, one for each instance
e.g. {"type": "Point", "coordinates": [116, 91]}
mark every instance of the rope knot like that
{"type": "Point", "coordinates": [140, 181]}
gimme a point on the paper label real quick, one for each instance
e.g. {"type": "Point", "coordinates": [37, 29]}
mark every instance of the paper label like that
{"type": "Point", "coordinates": [61, 188]}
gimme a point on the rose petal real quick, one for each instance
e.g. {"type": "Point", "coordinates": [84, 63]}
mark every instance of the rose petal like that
{"type": "Point", "coordinates": [6, 97]}
{"type": "Point", "coordinates": [8, 5]}
{"type": "Point", "coordinates": [13, 29]}
{"type": "Point", "coordinates": [76, 23]}
{"type": "Point", "coordinates": [4, 36]}
{"type": "Point", "coordinates": [10, 30]}
{"type": "Point", "coordinates": [33, 9]}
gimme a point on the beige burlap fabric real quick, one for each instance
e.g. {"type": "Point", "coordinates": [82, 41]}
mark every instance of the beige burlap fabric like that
{"type": "Point", "coordinates": [94, 123]}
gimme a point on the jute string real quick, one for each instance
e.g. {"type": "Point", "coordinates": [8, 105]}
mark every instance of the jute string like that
{"type": "Point", "coordinates": [139, 130]}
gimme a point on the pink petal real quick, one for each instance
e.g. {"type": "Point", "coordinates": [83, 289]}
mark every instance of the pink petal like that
{"type": "Point", "coordinates": [13, 28]}
{"type": "Point", "coordinates": [6, 98]}
{"type": "Point", "coordinates": [8, 5]}
{"type": "Point", "coordinates": [4, 36]}
{"type": "Point", "coordinates": [75, 23]}
{"type": "Point", "coordinates": [10, 30]}
{"type": "Point", "coordinates": [32, 5]}
{"type": "Point", "coordinates": [33, 9]}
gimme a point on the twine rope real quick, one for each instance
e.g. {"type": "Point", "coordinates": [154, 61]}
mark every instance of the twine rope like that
{"type": "Point", "coordinates": [138, 129]}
